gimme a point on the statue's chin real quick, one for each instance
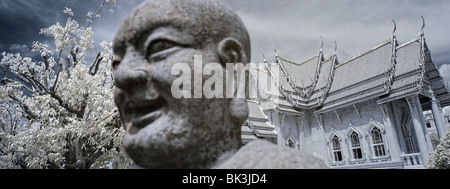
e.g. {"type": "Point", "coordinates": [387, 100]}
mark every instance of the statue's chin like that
{"type": "Point", "coordinates": [178, 141]}
{"type": "Point", "coordinates": [166, 143]}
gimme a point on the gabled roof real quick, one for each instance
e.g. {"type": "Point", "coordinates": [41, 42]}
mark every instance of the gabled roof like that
{"type": "Point", "coordinates": [416, 73]}
{"type": "Point", "coordinates": [362, 68]}
{"type": "Point", "coordinates": [303, 74]}
{"type": "Point", "coordinates": [325, 74]}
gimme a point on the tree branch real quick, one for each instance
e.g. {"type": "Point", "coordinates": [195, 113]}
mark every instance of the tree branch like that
{"type": "Point", "coordinates": [40, 86]}
{"type": "Point", "coordinates": [47, 66]}
{"type": "Point", "coordinates": [4, 72]}
{"type": "Point", "coordinates": [10, 119]}
{"type": "Point", "coordinates": [83, 106]}
{"type": "Point", "coordinates": [24, 79]}
{"type": "Point", "coordinates": [53, 88]}
{"type": "Point", "coordinates": [97, 66]}
{"type": "Point", "coordinates": [74, 56]}
{"type": "Point", "coordinates": [25, 107]}
{"type": "Point", "coordinates": [64, 36]}
{"type": "Point", "coordinates": [66, 66]}
{"type": "Point", "coordinates": [65, 106]}
{"type": "Point", "coordinates": [92, 158]}
{"type": "Point", "coordinates": [5, 80]}
{"type": "Point", "coordinates": [29, 81]}
{"type": "Point", "coordinates": [96, 14]}
{"type": "Point", "coordinates": [95, 62]}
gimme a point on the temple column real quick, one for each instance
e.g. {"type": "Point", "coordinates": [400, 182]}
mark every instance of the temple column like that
{"type": "Point", "coordinates": [437, 116]}
{"type": "Point", "coordinates": [444, 120]}
{"type": "Point", "coordinates": [418, 129]}
{"type": "Point", "coordinates": [424, 125]}
{"type": "Point", "coordinates": [301, 136]}
{"type": "Point", "coordinates": [394, 146]}
{"type": "Point", "coordinates": [281, 138]}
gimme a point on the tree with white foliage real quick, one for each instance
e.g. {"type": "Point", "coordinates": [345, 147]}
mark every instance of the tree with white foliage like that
{"type": "Point", "coordinates": [58, 112]}
{"type": "Point", "coordinates": [440, 159]}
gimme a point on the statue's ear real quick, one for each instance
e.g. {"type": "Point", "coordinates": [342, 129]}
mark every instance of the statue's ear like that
{"type": "Point", "coordinates": [231, 51]}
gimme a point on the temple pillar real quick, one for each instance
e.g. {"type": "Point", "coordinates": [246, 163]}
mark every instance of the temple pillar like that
{"type": "Point", "coordinates": [418, 129]}
{"type": "Point", "coordinates": [394, 146]}
{"type": "Point", "coordinates": [424, 125]}
{"type": "Point", "coordinates": [281, 138]}
{"type": "Point", "coordinates": [444, 120]}
{"type": "Point", "coordinates": [437, 116]}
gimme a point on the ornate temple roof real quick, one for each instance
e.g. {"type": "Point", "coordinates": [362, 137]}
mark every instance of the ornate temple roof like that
{"type": "Point", "coordinates": [387, 72]}
{"type": "Point", "coordinates": [257, 125]}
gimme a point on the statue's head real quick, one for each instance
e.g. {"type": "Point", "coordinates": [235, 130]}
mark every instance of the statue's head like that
{"type": "Point", "coordinates": [164, 131]}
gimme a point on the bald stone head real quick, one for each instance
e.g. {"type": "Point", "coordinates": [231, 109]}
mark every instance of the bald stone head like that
{"type": "Point", "coordinates": [163, 131]}
{"type": "Point", "coordinates": [206, 21]}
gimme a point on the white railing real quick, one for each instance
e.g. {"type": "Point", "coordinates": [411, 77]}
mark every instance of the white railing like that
{"type": "Point", "coordinates": [412, 159]}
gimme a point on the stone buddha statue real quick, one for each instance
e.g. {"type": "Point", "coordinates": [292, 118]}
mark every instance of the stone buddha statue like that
{"type": "Point", "coordinates": [167, 132]}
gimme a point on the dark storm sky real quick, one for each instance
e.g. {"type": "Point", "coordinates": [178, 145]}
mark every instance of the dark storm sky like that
{"type": "Point", "coordinates": [294, 25]}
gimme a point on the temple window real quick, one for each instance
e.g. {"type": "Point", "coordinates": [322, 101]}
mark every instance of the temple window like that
{"type": "Point", "coordinates": [378, 143]}
{"type": "Point", "coordinates": [355, 146]}
{"type": "Point", "coordinates": [337, 152]}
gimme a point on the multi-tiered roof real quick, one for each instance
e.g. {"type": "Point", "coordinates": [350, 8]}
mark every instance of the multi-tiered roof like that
{"type": "Point", "coordinates": [387, 72]}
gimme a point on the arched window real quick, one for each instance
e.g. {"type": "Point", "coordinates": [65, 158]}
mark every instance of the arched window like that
{"type": "Point", "coordinates": [337, 149]}
{"type": "Point", "coordinates": [378, 144]}
{"type": "Point", "coordinates": [355, 145]}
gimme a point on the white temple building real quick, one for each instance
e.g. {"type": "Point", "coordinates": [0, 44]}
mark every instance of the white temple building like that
{"type": "Point", "coordinates": [366, 112]}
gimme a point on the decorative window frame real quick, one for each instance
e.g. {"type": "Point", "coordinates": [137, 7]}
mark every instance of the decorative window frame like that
{"type": "Point", "coordinates": [295, 143]}
{"type": "Point", "coordinates": [331, 150]}
{"type": "Point", "coordinates": [350, 148]}
{"type": "Point", "coordinates": [368, 135]}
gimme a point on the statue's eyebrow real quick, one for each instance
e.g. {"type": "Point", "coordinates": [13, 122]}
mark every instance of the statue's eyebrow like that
{"type": "Point", "coordinates": [139, 37]}
{"type": "Point", "coordinates": [169, 34]}
{"type": "Point", "coordinates": [162, 36]}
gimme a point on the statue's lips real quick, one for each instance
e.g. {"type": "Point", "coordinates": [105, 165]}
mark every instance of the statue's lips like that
{"type": "Point", "coordinates": [144, 113]}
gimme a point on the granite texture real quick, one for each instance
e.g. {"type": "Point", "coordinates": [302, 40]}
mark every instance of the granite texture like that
{"type": "Point", "coordinates": [261, 154]}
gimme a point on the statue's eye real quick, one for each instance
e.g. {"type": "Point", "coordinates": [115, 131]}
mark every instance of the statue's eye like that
{"type": "Point", "coordinates": [160, 45]}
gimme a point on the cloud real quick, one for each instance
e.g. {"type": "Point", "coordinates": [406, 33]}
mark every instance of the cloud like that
{"type": "Point", "coordinates": [17, 48]}
{"type": "Point", "coordinates": [22, 20]}
{"type": "Point", "coordinates": [357, 25]}
{"type": "Point", "coordinates": [295, 26]}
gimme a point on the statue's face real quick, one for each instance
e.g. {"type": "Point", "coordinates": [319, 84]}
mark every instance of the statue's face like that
{"type": "Point", "coordinates": [167, 132]}
{"type": "Point", "coordinates": [161, 129]}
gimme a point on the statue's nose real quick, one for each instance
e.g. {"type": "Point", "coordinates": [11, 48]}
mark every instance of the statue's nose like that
{"type": "Point", "coordinates": [131, 71]}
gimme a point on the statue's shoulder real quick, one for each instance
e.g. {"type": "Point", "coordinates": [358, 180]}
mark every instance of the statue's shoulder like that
{"type": "Point", "coordinates": [261, 154]}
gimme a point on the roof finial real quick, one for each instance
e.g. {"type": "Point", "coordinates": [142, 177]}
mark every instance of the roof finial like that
{"type": "Point", "coordinates": [274, 49]}
{"type": "Point", "coordinates": [321, 46]}
{"type": "Point", "coordinates": [395, 27]}
{"type": "Point", "coordinates": [335, 47]}
{"type": "Point", "coordinates": [262, 53]}
{"type": "Point", "coordinates": [421, 34]}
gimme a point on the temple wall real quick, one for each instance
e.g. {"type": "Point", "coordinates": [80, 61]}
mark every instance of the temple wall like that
{"type": "Point", "coordinates": [370, 116]}
{"type": "Point", "coordinates": [314, 137]}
